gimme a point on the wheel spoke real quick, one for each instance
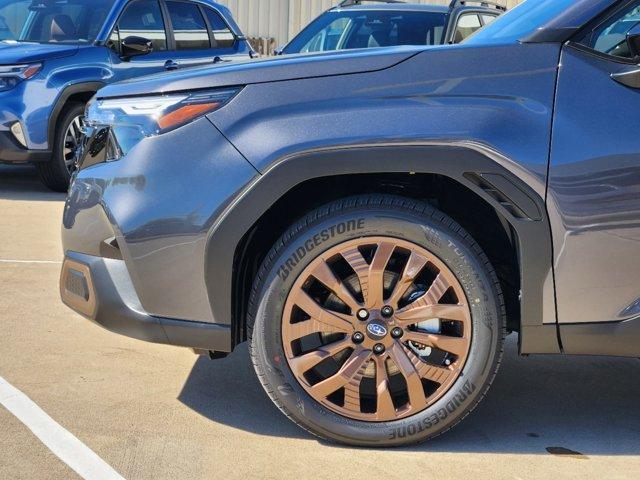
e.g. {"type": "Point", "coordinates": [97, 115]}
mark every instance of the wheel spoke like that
{"type": "Point", "coordinates": [414, 313]}
{"type": "Point", "coordinates": [375, 298]}
{"type": "Point", "coordinates": [77, 123]}
{"type": "Point", "coordinates": [325, 275]}
{"type": "Point", "coordinates": [371, 276]}
{"type": "Point", "coordinates": [321, 320]}
{"type": "Point", "coordinates": [306, 362]}
{"type": "Point", "coordinates": [428, 371]}
{"type": "Point", "coordinates": [456, 345]}
{"type": "Point", "coordinates": [352, 370]}
{"type": "Point", "coordinates": [436, 291]}
{"type": "Point", "coordinates": [359, 265]}
{"type": "Point", "coordinates": [72, 134]}
{"type": "Point", "coordinates": [412, 269]}
{"type": "Point", "coordinates": [385, 409]}
{"type": "Point", "coordinates": [414, 386]}
{"type": "Point", "coordinates": [352, 391]}
{"type": "Point", "coordinates": [338, 320]}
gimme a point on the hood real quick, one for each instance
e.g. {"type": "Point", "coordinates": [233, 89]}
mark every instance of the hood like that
{"type": "Point", "coordinates": [12, 53]}
{"type": "Point", "coordinates": [274, 69]}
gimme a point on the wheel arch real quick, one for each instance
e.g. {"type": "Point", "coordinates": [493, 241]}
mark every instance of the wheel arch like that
{"type": "Point", "coordinates": [80, 92]}
{"type": "Point", "coordinates": [473, 168]}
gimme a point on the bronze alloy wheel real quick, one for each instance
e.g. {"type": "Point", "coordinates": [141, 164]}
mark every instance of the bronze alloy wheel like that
{"type": "Point", "coordinates": [376, 329]}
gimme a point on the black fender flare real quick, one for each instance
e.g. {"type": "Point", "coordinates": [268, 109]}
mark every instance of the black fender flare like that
{"type": "Point", "coordinates": [477, 167]}
{"type": "Point", "coordinates": [61, 101]}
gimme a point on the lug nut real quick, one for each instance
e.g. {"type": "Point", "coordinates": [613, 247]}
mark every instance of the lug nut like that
{"type": "Point", "coordinates": [363, 314]}
{"type": "Point", "coordinates": [386, 311]}
{"type": "Point", "coordinates": [378, 349]}
{"type": "Point", "coordinates": [397, 332]}
{"type": "Point", "coordinates": [357, 338]}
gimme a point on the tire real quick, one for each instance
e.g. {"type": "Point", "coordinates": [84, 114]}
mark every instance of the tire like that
{"type": "Point", "coordinates": [55, 174]}
{"type": "Point", "coordinates": [361, 220]}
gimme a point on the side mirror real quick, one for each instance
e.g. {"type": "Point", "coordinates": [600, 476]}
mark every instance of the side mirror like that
{"type": "Point", "coordinates": [135, 47]}
{"type": "Point", "coordinates": [279, 51]}
{"type": "Point", "coordinates": [633, 40]}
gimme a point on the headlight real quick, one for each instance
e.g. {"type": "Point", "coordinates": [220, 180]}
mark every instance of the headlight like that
{"type": "Point", "coordinates": [12, 75]}
{"type": "Point", "coordinates": [135, 118]}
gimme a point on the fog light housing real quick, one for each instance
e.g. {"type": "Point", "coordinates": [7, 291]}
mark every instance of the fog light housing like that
{"type": "Point", "coordinates": [18, 133]}
{"type": "Point", "coordinates": [76, 288]}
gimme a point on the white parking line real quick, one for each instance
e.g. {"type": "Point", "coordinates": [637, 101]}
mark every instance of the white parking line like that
{"type": "Point", "coordinates": [62, 443]}
{"type": "Point", "coordinates": [46, 262]}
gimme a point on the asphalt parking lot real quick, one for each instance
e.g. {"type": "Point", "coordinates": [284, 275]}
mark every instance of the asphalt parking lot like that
{"type": "Point", "coordinates": [157, 412]}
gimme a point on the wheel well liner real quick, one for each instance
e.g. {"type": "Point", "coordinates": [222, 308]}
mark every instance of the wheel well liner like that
{"type": "Point", "coordinates": [523, 210]}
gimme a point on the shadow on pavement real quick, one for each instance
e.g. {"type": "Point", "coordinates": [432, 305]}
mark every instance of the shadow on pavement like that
{"type": "Point", "coordinates": [21, 182]}
{"type": "Point", "coordinates": [581, 405]}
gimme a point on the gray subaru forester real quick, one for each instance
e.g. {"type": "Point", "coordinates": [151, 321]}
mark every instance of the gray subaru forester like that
{"type": "Point", "coordinates": [376, 221]}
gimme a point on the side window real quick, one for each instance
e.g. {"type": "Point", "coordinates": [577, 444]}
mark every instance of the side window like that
{"type": "Point", "coordinates": [378, 30]}
{"type": "Point", "coordinates": [58, 26]}
{"type": "Point", "coordinates": [95, 17]}
{"type": "Point", "coordinates": [189, 28]}
{"type": "Point", "coordinates": [329, 37]}
{"type": "Point", "coordinates": [610, 37]}
{"type": "Point", "coordinates": [142, 18]}
{"type": "Point", "coordinates": [487, 19]}
{"type": "Point", "coordinates": [468, 24]}
{"type": "Point", "coordinates": [12, 17]}
{"type": "Point", "coordinates": [222, 34]}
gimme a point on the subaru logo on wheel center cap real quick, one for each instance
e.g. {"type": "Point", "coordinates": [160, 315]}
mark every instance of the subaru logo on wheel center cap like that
{"type": "Point", "coordinates": [376, 330]}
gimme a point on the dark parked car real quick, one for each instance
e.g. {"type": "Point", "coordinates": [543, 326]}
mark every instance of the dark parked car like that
{"type": "Point", "coordinates": [374, 222]}
{"type": "Point", "coordinates": [361, 24]}
{"type": "Point", "coordinates": [55, 55]}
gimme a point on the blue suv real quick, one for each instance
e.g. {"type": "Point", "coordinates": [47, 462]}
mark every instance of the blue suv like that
{"type": "Point", "coordinates": [56, 54]}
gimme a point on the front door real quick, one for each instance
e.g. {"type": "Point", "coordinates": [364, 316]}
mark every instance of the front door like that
{"type": "Point", "coordinates": [192, 42]}
{"type": "Point", "coordinates": [141, 18]}
{"type": "Point", "coordinates": [594, 177]}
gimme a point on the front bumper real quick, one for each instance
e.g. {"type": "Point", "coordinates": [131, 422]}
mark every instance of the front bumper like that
{"type": "Point", "coordinates": [101, 290]}
{"type": "Point", "coordinates": [12, 152]}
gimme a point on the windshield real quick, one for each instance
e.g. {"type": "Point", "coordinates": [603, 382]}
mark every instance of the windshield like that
{"type": "Point", "coordinates": [343, 30]}
{"type": "Point", "coordinates": [520, 21]}
{"type": "Point", "coordinates": [52, 21]}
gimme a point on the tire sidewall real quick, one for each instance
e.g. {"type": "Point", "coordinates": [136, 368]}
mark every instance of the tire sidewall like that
{"type": "Point", "coordinates": [454, 250]}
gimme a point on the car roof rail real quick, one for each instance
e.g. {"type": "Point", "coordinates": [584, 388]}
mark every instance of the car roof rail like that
{"type": "Point", "coordinates": [351, 3]}
{"type": "Point", "coordinates": [483, 3]}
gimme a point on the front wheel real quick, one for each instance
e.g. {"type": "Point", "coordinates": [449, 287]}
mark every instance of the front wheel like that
{"type": "Point", "coordinates": [56, 173]}
{"type": "Point", "coordinates": [376, 321]}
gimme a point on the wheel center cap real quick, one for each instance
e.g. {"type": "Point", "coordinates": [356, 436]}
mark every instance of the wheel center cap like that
{"type": "Point", "coordinates": [376, 330]}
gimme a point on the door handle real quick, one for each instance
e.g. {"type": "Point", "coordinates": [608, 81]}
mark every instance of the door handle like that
{"type": "Point", "coordinates": [220, 60]}
{"type": "Point", "coordinates": [628, 79]}
{"type": "Point", "coordinates": [171, 65]}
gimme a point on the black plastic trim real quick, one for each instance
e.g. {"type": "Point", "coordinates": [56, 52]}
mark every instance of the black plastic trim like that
{"type": "Point", "coordinates": [609, 338]}
{"type": "Point", "coordinates": [604, 56]}
{"type": "Point", "coordinates": [114, 311]}
{"type": "Point", "coordinates": [12, 152]}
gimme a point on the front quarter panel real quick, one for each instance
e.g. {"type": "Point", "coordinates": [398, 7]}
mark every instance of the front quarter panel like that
{"type": "Point", "coordinates": [505, 103]}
